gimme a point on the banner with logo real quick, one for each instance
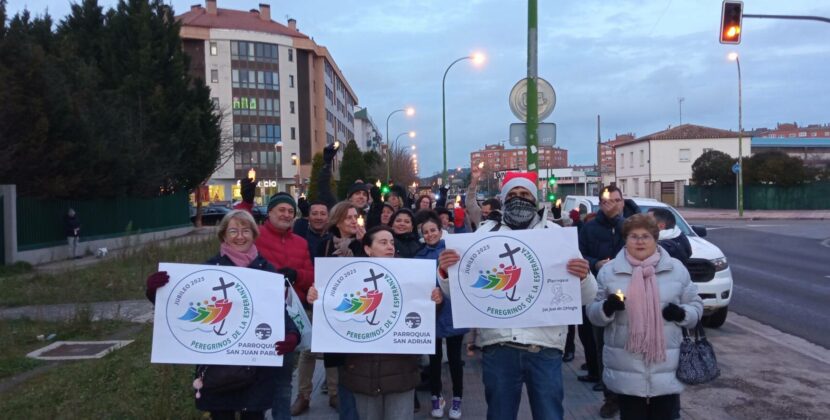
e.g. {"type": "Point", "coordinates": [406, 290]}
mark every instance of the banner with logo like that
{"type": "Point", "coordinates": [374, 305]}
{"type": "Point", "coordinates": [218, 315]}
{"type": "Point", "coordinates": [514, 279]}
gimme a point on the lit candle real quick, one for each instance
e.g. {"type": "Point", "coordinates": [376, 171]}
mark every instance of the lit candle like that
{"type": "Point", "coordinates": [360, 220]}
{"type": "Point", "coordinates": [620, 295]}
{"type": "Point", "coordinates": [606, 195]}
{"type": "Point", "coordinates": [377, 184]}
{"type": "Point", "coordinates": [480, 165]}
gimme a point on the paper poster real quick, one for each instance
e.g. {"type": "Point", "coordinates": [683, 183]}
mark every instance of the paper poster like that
{"type": "Point", "coordinates": [218, 315]}
{"type": "Point", "coordinates": [374, 305]}
{"type": "Point", "coordinates": [514, 279]}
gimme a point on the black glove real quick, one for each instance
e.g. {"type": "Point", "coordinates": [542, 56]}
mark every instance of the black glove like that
{"type": "Point", "coordinates": [374, 192]}
{"type": "Point", "coordinates": [303, 206]}
{"type": "Point", "coordinates": [290, 274]}
{"type": "Point", "coordinates": [329, 152]}
{"type": "Point", "coordinates": [154, 281]}
{"type": "Point", "coordinates": [612, 303]}
{"type": "Point", "coordinates": [674, 313]}
{"type": "Point", "coordinates": [248, 190]}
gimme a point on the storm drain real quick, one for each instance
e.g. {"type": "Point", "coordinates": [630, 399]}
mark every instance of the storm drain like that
{"type": "Point", "coordinates": [77, 350]}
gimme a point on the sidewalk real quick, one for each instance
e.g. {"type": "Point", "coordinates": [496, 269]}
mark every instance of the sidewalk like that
{"type": "Point", "coordinates": [721, 214]}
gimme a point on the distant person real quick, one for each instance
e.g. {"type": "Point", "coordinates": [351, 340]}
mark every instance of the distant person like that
{"type": "Point", "coordinates": [423, 202]}
{"type": "Point", "coordinates": [247, 189]}
{"type": "Point", "coordinates": [72, 229]}
{"type": "Point", "coordinates": [315, 226]}
{"type": "Point", "coordinates": [672, 239]}
{"type": "Point", "coordinates": [643, 328]}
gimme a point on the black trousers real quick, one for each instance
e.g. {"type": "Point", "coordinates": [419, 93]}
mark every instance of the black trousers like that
{"type": "Point", "coordinates": [231, 415]}
{"type": "Point", "coordinates": [456, 368]}
{"type": "Point", "coordinates": [653, 408]}
{"type": "Point", "coordinates": [569, 340]}
{"type": "Point", "coordinates": [586, 336]}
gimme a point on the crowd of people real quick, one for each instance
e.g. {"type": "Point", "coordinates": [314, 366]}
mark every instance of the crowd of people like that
{"type": "Point", "coordinates": [638, 332]}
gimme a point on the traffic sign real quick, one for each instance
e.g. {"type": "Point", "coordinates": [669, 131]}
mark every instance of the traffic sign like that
{"type": "Point", "coordinates": [736, 168]}
{"type": "Point", "coordinates": [546, 98]}
{"type": "Point", "coordinates": [546, 133]}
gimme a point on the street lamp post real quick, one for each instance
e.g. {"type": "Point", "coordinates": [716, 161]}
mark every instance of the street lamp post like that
{"type": "Point", "coordinates": [734, 56]}
{"type": "Point", "coordinates": [409, 112]}
{"type": "Point", "coordinates": [477, 59]}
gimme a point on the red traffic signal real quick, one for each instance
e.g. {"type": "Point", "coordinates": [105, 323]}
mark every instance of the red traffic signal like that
{"type": "Point", "coordinates": [730, 22]}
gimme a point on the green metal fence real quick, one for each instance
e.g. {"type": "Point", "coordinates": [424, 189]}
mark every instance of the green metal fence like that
{"type": "Point", "coordinates": [761, 197]}
{"type": "Point", "coordinates": [40, 222]}
{"type": "Point", "coordinates": [2, 231]}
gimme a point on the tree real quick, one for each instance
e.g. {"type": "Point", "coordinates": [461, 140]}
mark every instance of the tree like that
{"type": "Point", "coordinates": [777, 168]}
{"type": "Point", "coordinates": [316, 168]}
{"type": "Point", "coordinates": [371, 158]}
{"type": "Point", "coordinates": [401, 168]}
{"type": "Point", "coordinates": [352, 168]}
{"type": "Point", "coordinates": [713, 168]}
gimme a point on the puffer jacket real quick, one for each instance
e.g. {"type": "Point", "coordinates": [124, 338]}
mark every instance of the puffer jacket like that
{"type": "Point", "coordinates": [554, 336]}
{"type": "Point", "coordinates": [407, 245]}
{"type": "Point", "coordinates": [443, 323]}
{"type": "Point", "coordinates": [285, 249]}
{"type": "Point", "coordinates": [626, 373]}
{"type": "Point", "coordinates": [379, 374]}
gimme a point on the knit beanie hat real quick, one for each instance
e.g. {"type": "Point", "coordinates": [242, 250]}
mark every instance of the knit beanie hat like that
{"type": "Point", "coordinates": [280, 198]}
{"type": "Point", "coordinates": [356, 187]}
{"type": "Point", "coordinates": [519, 179]}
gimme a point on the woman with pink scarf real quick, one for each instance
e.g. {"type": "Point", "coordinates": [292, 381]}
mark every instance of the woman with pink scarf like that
{"type": "Point", "coordinates": [644, 299]}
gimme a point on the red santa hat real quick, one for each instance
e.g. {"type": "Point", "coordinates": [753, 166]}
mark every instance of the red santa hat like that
{"type": "Point", "coordinates": [519, 179]}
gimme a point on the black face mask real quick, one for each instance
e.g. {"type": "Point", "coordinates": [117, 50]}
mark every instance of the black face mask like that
{"type": "Point", "coordinates": [518, 213]}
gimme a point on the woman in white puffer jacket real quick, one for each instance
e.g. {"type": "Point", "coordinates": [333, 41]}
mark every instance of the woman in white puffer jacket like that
{"type": "Point", "coordinates": [645, 296]}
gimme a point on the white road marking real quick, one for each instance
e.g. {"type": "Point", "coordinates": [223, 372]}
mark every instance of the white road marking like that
{"type": "Point", "coordinates": [826, 243]}
{"type": "Point", "coordinates": [754, 226]}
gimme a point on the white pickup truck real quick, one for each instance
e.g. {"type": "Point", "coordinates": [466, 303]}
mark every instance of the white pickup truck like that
{"type": "Point", "coordinates": [707, 266]}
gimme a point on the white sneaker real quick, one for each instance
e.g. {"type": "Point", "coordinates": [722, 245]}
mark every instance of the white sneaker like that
{"type": "Point", "coordinates": [455, 409]}
{"type": "Point", "coordinates": [438, 404]}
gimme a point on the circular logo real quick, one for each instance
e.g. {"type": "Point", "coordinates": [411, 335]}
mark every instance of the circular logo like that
{"type": "Point", "coordinates": [363, 301]}
{"type": "Point", "coordinates": [263, 331]}
{"type": "Point", "coordinates": [413, 320]}
{"type": "Point", "coordinates": [501, 276]}
{"type": "Point", "coordinates": [209, 311]}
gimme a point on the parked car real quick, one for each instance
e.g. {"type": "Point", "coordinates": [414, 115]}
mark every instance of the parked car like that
{"type": "Point", "coordinates": [707, 266]}
{"type": "Point", "coordinates": [211, 215]}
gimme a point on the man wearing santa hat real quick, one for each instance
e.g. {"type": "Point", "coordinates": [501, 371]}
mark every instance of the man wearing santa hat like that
{"type": "Point", "coordinates": [513, 356]}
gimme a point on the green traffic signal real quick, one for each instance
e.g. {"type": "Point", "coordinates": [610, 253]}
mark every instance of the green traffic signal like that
{"type": "Point", "coordinates": [552, 181]}
{"type": "Point", "coordinates": [551, 197]}
{"type": "Point", "coordinates": [385, 189]}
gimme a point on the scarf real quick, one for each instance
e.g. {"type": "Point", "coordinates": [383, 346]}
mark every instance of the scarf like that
{"type": "Point", "coordinates": [645, 322]}
{"type": "Point", "coordinates": [670, 233]}
{"type": "Point", "coordinates": [341, 246]}
{"type": "Point", "coordinates": [239, 258]}
{"type": "Point", "coordinates": [518, 213]}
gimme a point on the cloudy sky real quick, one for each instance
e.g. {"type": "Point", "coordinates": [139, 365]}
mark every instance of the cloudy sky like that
{"type": "Point", "coordinates": [626, 60]}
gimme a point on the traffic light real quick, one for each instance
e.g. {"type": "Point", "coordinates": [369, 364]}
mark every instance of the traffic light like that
{"type": "Point", "coordinates": [385, 189]}
{"type": "Point", "coordinates": [552, 181]}
{"type": "Point", "coordinates": [730, 22]}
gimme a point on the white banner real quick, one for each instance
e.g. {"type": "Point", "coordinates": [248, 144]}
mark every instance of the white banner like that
{"type": "Point", "coordinates": [218, 315]}
{"type": "Point", "coordinates": [374, 305]}
{"type": "Point", "coordinates": [514, 279]}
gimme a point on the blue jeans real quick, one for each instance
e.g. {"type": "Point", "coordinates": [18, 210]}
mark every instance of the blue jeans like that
{"type": "Point", "coordinates": [506, 369]}
{"type": "Point", "coordinates": [281, 407]}
{"type": "Point", "coordinates": [348, 406]}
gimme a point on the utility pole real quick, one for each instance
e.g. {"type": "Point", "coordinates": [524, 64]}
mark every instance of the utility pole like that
{"type": "Point", "coordinates": [680, 105]}
{"type": "Point", "coordinates": [532, 100]}
{"type": "Point", "coordinates": [599, 157]}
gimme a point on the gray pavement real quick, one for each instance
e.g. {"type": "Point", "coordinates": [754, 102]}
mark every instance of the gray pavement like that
{"type": "Point", "coordinates": [722, 214]}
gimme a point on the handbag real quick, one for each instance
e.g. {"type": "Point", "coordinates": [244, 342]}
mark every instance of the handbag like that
{"type": "Point", "coordinates": [223, 378]}
{"type": "Point", "coordinates": [697, 364]}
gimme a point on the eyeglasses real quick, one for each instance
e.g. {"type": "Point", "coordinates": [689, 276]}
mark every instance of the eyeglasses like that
{"type": "Point", "coordinates": [644, 238]}
{"type": "Point", "coordinates": [237, 232]}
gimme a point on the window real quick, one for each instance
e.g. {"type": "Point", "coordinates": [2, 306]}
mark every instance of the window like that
{"type": "Point", "coordinates": [214, 76]}
{"type": "Point", "coordinates": [636, 182]}
{"type": "Point", "coordinates": [214, 49]}
{"type": "Point", "coordinates": [215, 102]}
{"type": "Point", "coordinates": [631, 159]}
{"type": "Point", "coordinates": [642, 157]}
{"type": "Point", "coordinates": [290, 54]}
{"type": "Point", "coordinates": [623, 186]}
{"type": "Point", "coordinates": [291, 107]}
{"type": "Point", "coordinates": [293, 133]}
{"type": "Point", "coordinates": [622, 160]}
{"type": "Point", "coordinates": [291, 81]}
{"type": "Point", "coordinates": [685, 155]}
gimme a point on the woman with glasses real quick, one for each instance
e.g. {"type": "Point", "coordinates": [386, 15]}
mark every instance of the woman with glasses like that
{"type": "Point", "coordinates": [272, 386]}
{"type": "Point", "coordinates": [644, 299]}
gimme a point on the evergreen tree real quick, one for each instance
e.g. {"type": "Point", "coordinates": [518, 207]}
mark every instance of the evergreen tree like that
{"type": "Point", "coordinates": [352, 168]}
{"type": "Point", "coordinates": [316, 168]}
{"type": "Point", "coordinates": [777, 168]}
{"type": "Point", "coordinates": [713, 168]}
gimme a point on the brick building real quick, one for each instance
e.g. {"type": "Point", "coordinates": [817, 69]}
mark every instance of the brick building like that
{"type": "Point", "coordinates": [792, 130]}
{"type": "Point", "coordinates": [497, 158]}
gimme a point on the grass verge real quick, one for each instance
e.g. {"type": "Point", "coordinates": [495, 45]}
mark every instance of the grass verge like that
{"type": "Point", "coordinates": [20, 338]}
{"type": "Point", "coordinates": [121, 385]}
{"type": "Point", "coordinates": [20, 267]}
{"type": "Point", "coordinates": [116, 278]}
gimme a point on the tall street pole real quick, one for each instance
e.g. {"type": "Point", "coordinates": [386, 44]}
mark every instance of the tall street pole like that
{"type": "Point", "coordinates": [599, 156]}
{"type": "Point", "coordinates": [532, 101]}
{"type": "Point", "coordinates": [444, 113]}
{"type": "Point", "coordinates": [740, 144]}
{"type": "Point", "coordinates": [388, 144]}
